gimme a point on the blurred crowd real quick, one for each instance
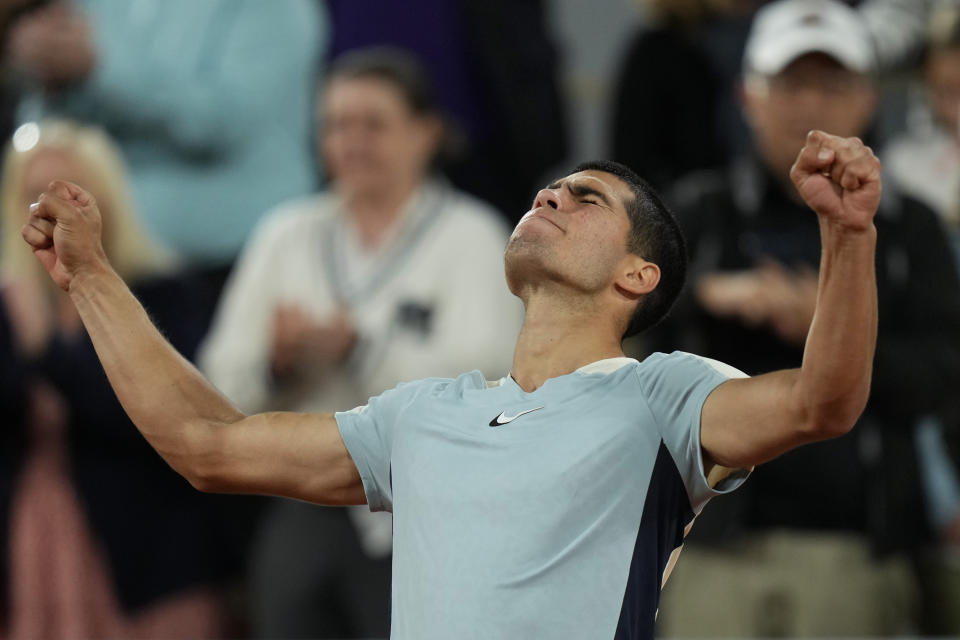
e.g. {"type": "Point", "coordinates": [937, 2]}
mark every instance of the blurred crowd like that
{"type": "Point", "coordinates": [311, 199]}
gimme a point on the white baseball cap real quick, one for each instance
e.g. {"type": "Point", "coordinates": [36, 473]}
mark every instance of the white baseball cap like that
{"type": "Point", "coordinates": [785, 30]}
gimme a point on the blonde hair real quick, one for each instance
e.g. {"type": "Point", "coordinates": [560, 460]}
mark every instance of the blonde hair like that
{"type": "Point", "coordinates": [129, 249]}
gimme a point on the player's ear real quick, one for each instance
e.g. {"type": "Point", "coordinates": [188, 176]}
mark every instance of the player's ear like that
{"type": "Point", "coordinates": [637, 277]}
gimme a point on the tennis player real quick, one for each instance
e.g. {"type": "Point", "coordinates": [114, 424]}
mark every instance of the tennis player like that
{"type": "Point", "coordinates": [550, 503]}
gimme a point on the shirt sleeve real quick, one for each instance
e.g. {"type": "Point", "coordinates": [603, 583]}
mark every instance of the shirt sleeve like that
{"type": "Point", "coordinates": [368, 433]}
{"type": "Point", "coordinates": [676, 386]}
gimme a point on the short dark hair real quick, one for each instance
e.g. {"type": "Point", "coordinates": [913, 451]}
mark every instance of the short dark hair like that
{"type": "Point", "coordinates": [656, 236]}
{"type": "Point", "coordinates": [399, 67]}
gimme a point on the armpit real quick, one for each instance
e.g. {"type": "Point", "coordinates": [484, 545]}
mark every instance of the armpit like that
{"type": "Point", "coordinates": [718, 474]}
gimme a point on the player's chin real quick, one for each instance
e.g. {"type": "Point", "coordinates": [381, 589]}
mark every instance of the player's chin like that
{"type": "Point", "coordinates": [527, 254]}
{"type": "Point", "coordinates": [523, 243]}
{"type": "Point", "coordinates": [533, 230]}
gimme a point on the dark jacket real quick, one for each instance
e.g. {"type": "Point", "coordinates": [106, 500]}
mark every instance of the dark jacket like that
{"type": "Point", "coordinates": [867, 481]}
{"type": "Point", "coordinates": [12, 408]}
{"type": "Point", "coordinates": [665, 107]}
{"type": "Point", "coordinates": [160, 535]}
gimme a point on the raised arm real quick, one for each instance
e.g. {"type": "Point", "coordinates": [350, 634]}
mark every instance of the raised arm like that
{"type": "Point", "coordinates": [196, 430]}
{"type": "Point", "coordinates": [749, 421]}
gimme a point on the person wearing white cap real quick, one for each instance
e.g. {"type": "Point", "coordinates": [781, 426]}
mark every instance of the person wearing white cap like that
{"type": "Point", "coordinates": [784, 31]}
{"type": "Point", "coordinates": [818, 544]}
{"type": "Point", "coordinates": [807, 64]}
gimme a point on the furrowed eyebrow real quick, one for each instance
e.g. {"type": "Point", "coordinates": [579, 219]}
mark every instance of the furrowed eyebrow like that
{"type": "Point", "coordinates": [583, 190]}
{"type": "Point", "coordinates": [580, 190]}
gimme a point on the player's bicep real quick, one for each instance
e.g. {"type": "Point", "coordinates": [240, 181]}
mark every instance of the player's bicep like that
{"type": "Point", "coordinates": [747, 421]}
{"type": "Point", "coordinates": [295, 455]}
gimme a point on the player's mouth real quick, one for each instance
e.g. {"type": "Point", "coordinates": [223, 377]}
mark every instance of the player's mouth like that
{"type": "Point", "coordinates": [539, 213]}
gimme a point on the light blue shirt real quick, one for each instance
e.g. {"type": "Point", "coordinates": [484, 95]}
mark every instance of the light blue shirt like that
{"type": "Point", "coordinates": [211, 102]}
{"type": "Point", "coordinates": [548, 514]}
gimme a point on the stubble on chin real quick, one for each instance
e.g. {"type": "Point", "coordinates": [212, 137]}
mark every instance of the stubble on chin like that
{"type": "Point", "coordinates": [523, 259]}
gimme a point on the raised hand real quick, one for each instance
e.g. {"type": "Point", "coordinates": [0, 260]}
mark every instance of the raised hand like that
{"type": "Point", "coordinates": [839, 178]}
{"type": "Point", "coordinates": [64, 230]}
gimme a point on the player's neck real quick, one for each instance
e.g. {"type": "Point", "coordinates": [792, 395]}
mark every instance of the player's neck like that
{"type": "Point", "coordinates": [558, 338]}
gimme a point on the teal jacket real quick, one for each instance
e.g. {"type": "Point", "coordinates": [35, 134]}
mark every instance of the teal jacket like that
{"type": "Point", "coordinates": [212, 104]}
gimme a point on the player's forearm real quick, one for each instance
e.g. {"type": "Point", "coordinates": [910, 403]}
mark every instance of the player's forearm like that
{"type": "Point", "coordinates": [834, 381]}
{"type": "Point", "coordinates": [172, 405]}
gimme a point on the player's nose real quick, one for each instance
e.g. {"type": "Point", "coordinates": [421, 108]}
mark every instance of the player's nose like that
{"type": "Point", "coordinates": [547, 198]}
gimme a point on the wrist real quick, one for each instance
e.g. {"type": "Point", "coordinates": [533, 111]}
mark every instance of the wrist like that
{"type": "Point", "coordinates": [841, 234]}
{"type": "Point", "coordinates": [90, 278]}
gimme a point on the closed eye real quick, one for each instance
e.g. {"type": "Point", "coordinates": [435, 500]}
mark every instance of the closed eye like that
{"type": "Point", "coordinates": [583, 192]}
{"type": "Point", "coordinates": [588, 195]}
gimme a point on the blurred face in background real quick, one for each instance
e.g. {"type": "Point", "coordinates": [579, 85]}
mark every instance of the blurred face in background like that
{"type": "Point", "coordinates": [943, 81]}
{"type": "Point", "coordinates": [372, 142]}
{"type": "Point", "coordinates": [812, 92]}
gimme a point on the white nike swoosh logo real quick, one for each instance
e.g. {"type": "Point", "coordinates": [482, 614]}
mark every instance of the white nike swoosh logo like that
{"type": "Point", "coordinates": [504, 419]}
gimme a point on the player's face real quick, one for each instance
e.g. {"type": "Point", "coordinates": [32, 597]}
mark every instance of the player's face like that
{"type": "Point", "coordinates": [812, 92]}
{"type": "Point", "coordinates": [371, 140]}
{"type": "Point", "coordinates": [575, 233]}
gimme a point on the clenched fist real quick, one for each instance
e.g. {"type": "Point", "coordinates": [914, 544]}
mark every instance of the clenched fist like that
{"type": "Point", "coordinates": [839, 178]}
{"type": "Point", "coordinates": [64, 232]}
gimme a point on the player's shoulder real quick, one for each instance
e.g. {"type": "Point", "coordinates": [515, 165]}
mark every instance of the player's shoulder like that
{"type": "Point", "coordinates": [673, 386]}
{"type": "Point", "coordinates": [442, 387]}
{"type": "Point", "coordinates": [681, 364]}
